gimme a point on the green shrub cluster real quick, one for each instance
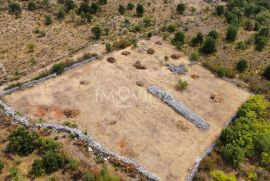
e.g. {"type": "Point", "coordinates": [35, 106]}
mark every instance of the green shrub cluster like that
{"type": "Point", "coordinates": [179, 39]}
{"type": "Point", "coordinates": [249, 134]}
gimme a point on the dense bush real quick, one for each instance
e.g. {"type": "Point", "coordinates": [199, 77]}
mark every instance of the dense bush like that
{"type": "Point", "coordinates": [233, 154]}
{"type": "Point", "coordinates": [37, 168]}
{"type": "Point", "coordinates": [232, 33]}
{"type": "Point", "coordinates": [14, 8]}
{"type": "Point", "coordinates": [121, 9]}
{"type": "Point", "coordinates": [130, 6]}
{"type": "Point", "coordinates": [84, 8]}
{"type": "Point", "coordinates": [96, 32]}
{"type": "Point", "coordinates": [23, 142]}
{"type": "Point", "coordinates": [31, 5]}
{"type": "Point", "coordinates": [108, 47]}
{"type": "Point", "coordinates": [209, 46]}
{"type": "Point", "coordinates": [139, 10]}
{"type": "Point", "coordinates": [61, 12]}
{"type": "Point", "coordinates": [1, 165]}
{"type": "Point", "coordinates": [221, 72]}
{"type": "Point", "coordinates": [217, 175]}
{"type": "Point", "coordinates": [94, 8]}
{"type": "Point", "coordinates": [194, 56]}
{"type": "Point", "coordinates": [54, 161]}
{"type": "Point", "coordinates": [242, 65]}
{"type": "Point", "coordinates": [197, 40]}
{"type": "Point", "coordinates": [262, 38]}
{"type": "Point", "coordinates": [181, 8]}
{"type": "Point", "coordinates": [179, 39]}
{"type": "Point", "coordinates": [266, 73]}
{"type": "Point", "coordinates": [48, 20]}
{"type": "Point", "coordinates": [58, 68]}
{"type": "Point", "coordinates": [213, 34]}
{"type": "Point", "coordinates": [182, 84]}
{"type": "Point", "coordinates": [171, 28]}
{"type": "Point", "coordinates": [220, 10]}
{"type": "Point", "coordinates": [69, 5]}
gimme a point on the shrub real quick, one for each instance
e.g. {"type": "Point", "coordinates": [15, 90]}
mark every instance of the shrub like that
{"type": "Point", "coordinates": [123, 43]}
{"type": "Point", "coordinates": [108, 47]}
{"type": "Point", "coordinates": [265, 159]}
{"type": "Point", "coordinates": [249, 25]}
{"type": "Point", "coordinates": [213, 34]}
{"type": "Point", "coordinates": [70, 124]}
{"type": "Point", "coordinates": [15, 174]}
{"type": "Point", "coordinates": [197, 40]}
{"type": "Point", "coordinates": [147, 22]}
{"type": "Point", "coordinates": [171, 28]}
{"type": "Point", "coordinates": [58, 68]}
{"type": "Point", "coordinates": [221, 72]}
{"type": "Point", "coordinates": [217, 175]}
{"type": "Point", "coordinates": [232, 18]}
{"type": "Point", "coordinates": [94, 8]}
{"type": "Point", "coordinates": [262, 142]}
{"type": "Point", "coordinates": [69, 5]}
{"type": "Point", "coordinates": [60, 12]}
{"type": "Point", "coordinates": [181, 8]}
{"type": "Point", "coordinates": [31, 47]}
{"type": "Point", "coordinates": [241, 45]}
{"type": "Point", "coordinates": [48, 20]}
{"type": "Point", "coordinates": [14, 8]}
{"type": "Point", "coordinates": [209, 46]}
{"type": "Point", "coordinates": [232, 33]}
{"type": "Point", "coordinates": [130, 6]}
{"type": "Point", "coordinates": [53, 161]}
{"type": "Point", "coordinates": [182, 84]}
{"type": "Point", "coordinates": [23, 142]}
{"type": "Point", "coordinates": [261, 42]}
{"type": "Point", "coordinates": [96, 31]}
{"type": "Point", "coordinates": [31, 5]}
{"type": "Point", "coordinates": [121, 9]}
{"type": "Point", "coordinates": [179, 39]}
{"type": "Point", "coordinates": [84, 8]}
{"type": "Point", "coordinates": [1, 165]}
{"type": "Point", "coordinates": [194, 56]}
{"type": "Point", "coordinates": [102, 2]}
{"type": "Point", "coordinates": [48, 145]}
{"type": "Point", "coordinates": [139, 10]}
{"type": "Point", "coordinates": [242, 65]}
{"type": "Point", "coordinates": [266, 73]}
{"type": "Point", "coordinates": [233, 154]}
{"type": "Point", "coordinates": [220, 10]}
{"type": "Point", "coordinates": [37, 168]}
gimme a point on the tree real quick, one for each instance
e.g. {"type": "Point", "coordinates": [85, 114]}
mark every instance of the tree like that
{"type": "Point", "coordinates": [232, 33]}
{"type": "Point", "coordinates": [97, 32]}
{"type": "Point", "coordinates": [179, 39]}
{"type": "Point", "coordinates": [197, 40]}
{"type": "Point", "coordinates": [181, 8]}
{"type": "Point", "coordinates": [233, 154]}
{"type": "Point", "coordinates": [213, 34]}
{"type": "Point", "coordinates": [23, 142]}
{"type": "Point", "coordinates": [14, 8]}
{"type": "Point", "coordinates": [220, 10]}
{"type": "Point", "coordinates": [53, 161]}
{"type": "Point", "coordinates": [122, 9]}
{"type": "Point", "coordinates": [139, 10]}
{"type": "Point", "coordinates": [266, 73]}
{"type": "Point", "coordinates": [242, 65]}
{"type": "Point", "coordinates": [31, 5]}
{"type": "Point", "coordinates": [209, 46]}
{"type": "Point", "coordinates": [130, 6]}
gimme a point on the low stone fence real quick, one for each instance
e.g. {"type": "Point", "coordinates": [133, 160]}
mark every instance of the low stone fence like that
{"type": "Point", "coordinates": [179, 107]}
{"type": "Point", "coordinates": [43, 79]}
{"type": "Point", "coordinates": [95, 145]}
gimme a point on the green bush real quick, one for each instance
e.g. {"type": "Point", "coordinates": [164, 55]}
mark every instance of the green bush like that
{"type": "Point", "coordinates": [179, 39]}
{"type": "Point", "coordinates": [213, 34]}
{"type": "Point", "coordinates": [242, 65]}
{"type": "Point", "coordinates": [84, 8]}
{"type": "Point", "coordinates": [194, 56]}
{"type": "Point", "coordinates": [37, 168]}
{"type": "Point", "coordinates": [182, 84]}
{"type": "Point", "coordinates": [15, 174]}
{"type": "Point", "coordinates": [233, 154]}
{"type": "Point", "coordinates": [262, 142]}
{"type": "Point", "coordinates": [70, 124]}
{"type": "Point", "coordinates": [217, 175]}
{"type": "Point", "coordinates": [23, 142]}
{"type": "Point", "coordinates": [69, 5]}
{"type": "Point", "coordinates": [54, 161]}
{"type": "Point", "coordinates": [147, 21]}
{"type": "Point", "coordinates": [94, 8]}
{"type": "Point", "coordinates": [96, 31]}
{"type": "Point", "coordinates": [123, 43]}
{"type": "Point", "coordinates": [209, 46]}
{"type": "Point", "coordinates": [197, 40]}
{"type": "Point", "coordinates": [221, 72]}
{"type": "Point", "coordinates": [108, 47]}
{"type": "Point", "coordinates": [1, 165]}
{"type": "Point", "coordinates": [130, 6]}
{"type": "Point", "coordinates": [249, 25]}
{"type": "Point", "coordinates": [14, 8]}
{"type": "Point", "coordinates": [60, 13]}
{"type": "Point", "coordinates": [121, 9]}
{"type": "Point", "coordinates": [58, 68]}
{"type": "Point", "coordinates": [220, 10]}
{"type": "Point", "coordinates": [31, 5]}
{"type": "Point", "coordinates": [48, 145]}
{"type": "Point", "coordinates": [181, 7]}
{"type": "Point", "coordinates": [171, 28]}
{"type": "Point", "coordinates": [241, 45]}
{"type": "Point", "coordinates": [102, 2]}
{"type": "Point", "coordinates": [48, 20]}
{"type": "Point", "coordinates": [232, 33]}
{"type": "Point", "coordinates": [139, 10]}
{"type": "Point", "coordinates": [266, 73]}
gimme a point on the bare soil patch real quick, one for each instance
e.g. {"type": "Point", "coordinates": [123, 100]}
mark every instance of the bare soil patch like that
{"type": "Point", "coordinates": [123, 116]}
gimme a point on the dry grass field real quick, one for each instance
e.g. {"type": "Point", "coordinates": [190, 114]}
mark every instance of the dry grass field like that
{"type": "Point", "coordinates": [111, 103]}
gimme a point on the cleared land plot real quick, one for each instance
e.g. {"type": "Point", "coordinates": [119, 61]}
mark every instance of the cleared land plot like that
{"type": "Point", "coordinates": [111, 106]}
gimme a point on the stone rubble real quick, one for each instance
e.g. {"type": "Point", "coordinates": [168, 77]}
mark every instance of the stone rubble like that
{"type": "Point", "coordinates": [179, 107]}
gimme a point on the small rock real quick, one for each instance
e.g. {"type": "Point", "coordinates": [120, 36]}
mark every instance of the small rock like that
{"type": "Point", "coordinates": [90, 149]}
{"type": "Point", "coordinates": [150, 51]}
{"type": "Point", "coordinates": [111, 60]}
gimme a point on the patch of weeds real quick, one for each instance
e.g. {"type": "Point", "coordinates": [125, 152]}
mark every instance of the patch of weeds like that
{"type": "Point", "coordinates": [70, 124]}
